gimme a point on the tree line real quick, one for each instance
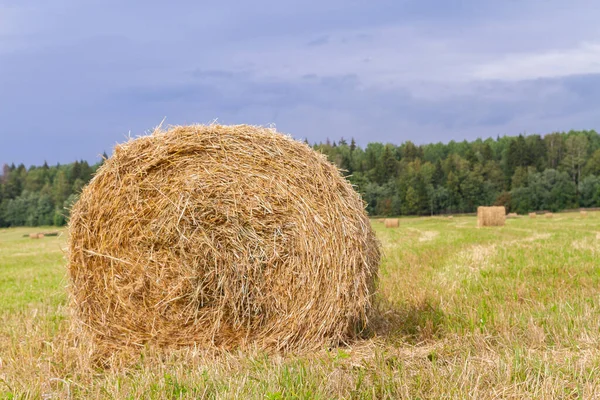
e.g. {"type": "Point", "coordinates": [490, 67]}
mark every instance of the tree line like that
{"type": "Point", "coordinates": [523, 173]}
{"type": "Point", "coordinates": [43, 195]}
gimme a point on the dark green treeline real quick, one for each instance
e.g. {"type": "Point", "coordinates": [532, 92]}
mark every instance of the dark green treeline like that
{"type": "Point", "coordinates": [41, 195]}
{"type": "Point", "coordinates": [523, 173]}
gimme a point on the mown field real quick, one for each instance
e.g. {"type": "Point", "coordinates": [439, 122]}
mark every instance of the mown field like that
{"type": "Point", "coordinates": [510, 312]}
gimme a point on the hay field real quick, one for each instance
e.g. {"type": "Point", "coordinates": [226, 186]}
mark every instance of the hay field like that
{"type": "Point", "coordinates": [507, 312]}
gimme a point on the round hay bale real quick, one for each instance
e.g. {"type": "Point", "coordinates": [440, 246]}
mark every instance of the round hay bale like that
{"type": "Point", "coordinates": [392, 222]}
{"type": "Point", "coordinates": [491, 216]}
{"type": "Point", "coordinates": [226, 236]}
{"type": "Point", "coordinates": [34, 236]}
{"type": "Point", "coordinates": [532, 215]}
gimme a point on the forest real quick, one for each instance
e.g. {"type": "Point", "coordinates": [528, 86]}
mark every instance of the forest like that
{"type": "Point", "coordinates": [525, 173]}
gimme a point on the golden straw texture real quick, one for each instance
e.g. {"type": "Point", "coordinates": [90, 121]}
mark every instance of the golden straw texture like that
{"type": "Point", "coordinates": [491, 216]}
{"type": "Point", "coordinates": [392, 222]}
{"type": "Point", "coordinates": [225, 236]}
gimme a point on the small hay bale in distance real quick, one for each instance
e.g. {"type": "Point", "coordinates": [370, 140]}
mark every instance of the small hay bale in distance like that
{"type": "Point", "coordinates": [392, 222]}
{"type": "Point", "coordinates": [532, 215]}
{"type": "Point", "coordinates": [512, 215]}
{"type": "Point", "coordinates": [34, 236]}
{"type": "Point", "coordinates": [491, 216]}
{"type": "Point", "coordinates": [549, 215]}
{"type": "Point", "coordinates": [221, 236]}
{"type": "Point", "coordinates": [583, 214]}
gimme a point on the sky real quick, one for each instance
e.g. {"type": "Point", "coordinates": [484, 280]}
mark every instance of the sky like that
{"type": "Point", "coordinates": [78, 77]}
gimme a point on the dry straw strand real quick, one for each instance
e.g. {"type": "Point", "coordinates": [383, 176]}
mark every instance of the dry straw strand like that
{"type": "Point", "coordinates": [491, 216]}
{"type": "Point", "coordinates": [220, 236]}
{"type": "Point", "coordinates": [392, 222]}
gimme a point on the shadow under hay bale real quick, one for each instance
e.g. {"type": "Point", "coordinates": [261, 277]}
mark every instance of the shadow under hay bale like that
{"type": "Point", "coordinates": [491, 216]}
{"type": "Point", "coordinates": [221, 236]}
{"type": "Point", "coordinates": [392, 222]}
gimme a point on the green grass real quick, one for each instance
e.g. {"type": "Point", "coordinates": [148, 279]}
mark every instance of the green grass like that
{"type": "Point", "coordinates": [511, 312]}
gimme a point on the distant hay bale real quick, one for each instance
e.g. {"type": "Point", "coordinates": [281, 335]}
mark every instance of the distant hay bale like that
{"type": "Point", "coordinates": [41, 235]}
{"type": "Point", "coordinates": [450, 216]}
{"type": "Point", "coordinates": [491, 216]}
{"type": "Point", "coordinates": [583, 214]}
{"type": "Point", "coordinates": [532, 215]}
{"type": "Point", "coordinates": [549, 215]}
{"type": "Point", "coordinates": [392, 222]}
{"type": "Point", "coordinates": [34, 236]}
{"type": "Point", "coordinates": [512, 215]}
{"type": "Point", "coordinates": [225, 236]}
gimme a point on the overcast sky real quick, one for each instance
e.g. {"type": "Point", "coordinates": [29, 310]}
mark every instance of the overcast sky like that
{"type": "Point", "coordinates": [78, 76]}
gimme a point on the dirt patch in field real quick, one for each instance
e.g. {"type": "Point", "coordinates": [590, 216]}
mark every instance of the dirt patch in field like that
{"type": "Point", "coordinates": [479, 256]}
{"type": "Point", "coordinates": [587, 244]}
{"type": "Point", "coordinates": [537, 236]}
{"type": "Point", "coordinates": [428, 236]}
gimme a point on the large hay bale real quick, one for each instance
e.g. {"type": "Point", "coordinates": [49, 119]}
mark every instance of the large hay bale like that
{"type": "Point", "coordinates": [491, 216]}
{"type": "Point", "coordinates": [392, 222]}
{"type": "Point", "coordinates": [227, 236]}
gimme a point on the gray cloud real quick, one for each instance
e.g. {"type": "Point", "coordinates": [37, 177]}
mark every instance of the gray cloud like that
{"type": "Point", "coordinates": [321, 41]}
{"type": "Point", "coordinates": [76, 77]}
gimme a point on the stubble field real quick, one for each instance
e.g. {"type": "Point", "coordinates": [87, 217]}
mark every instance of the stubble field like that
{"type": "Point", "coordinates": [511, 312]}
